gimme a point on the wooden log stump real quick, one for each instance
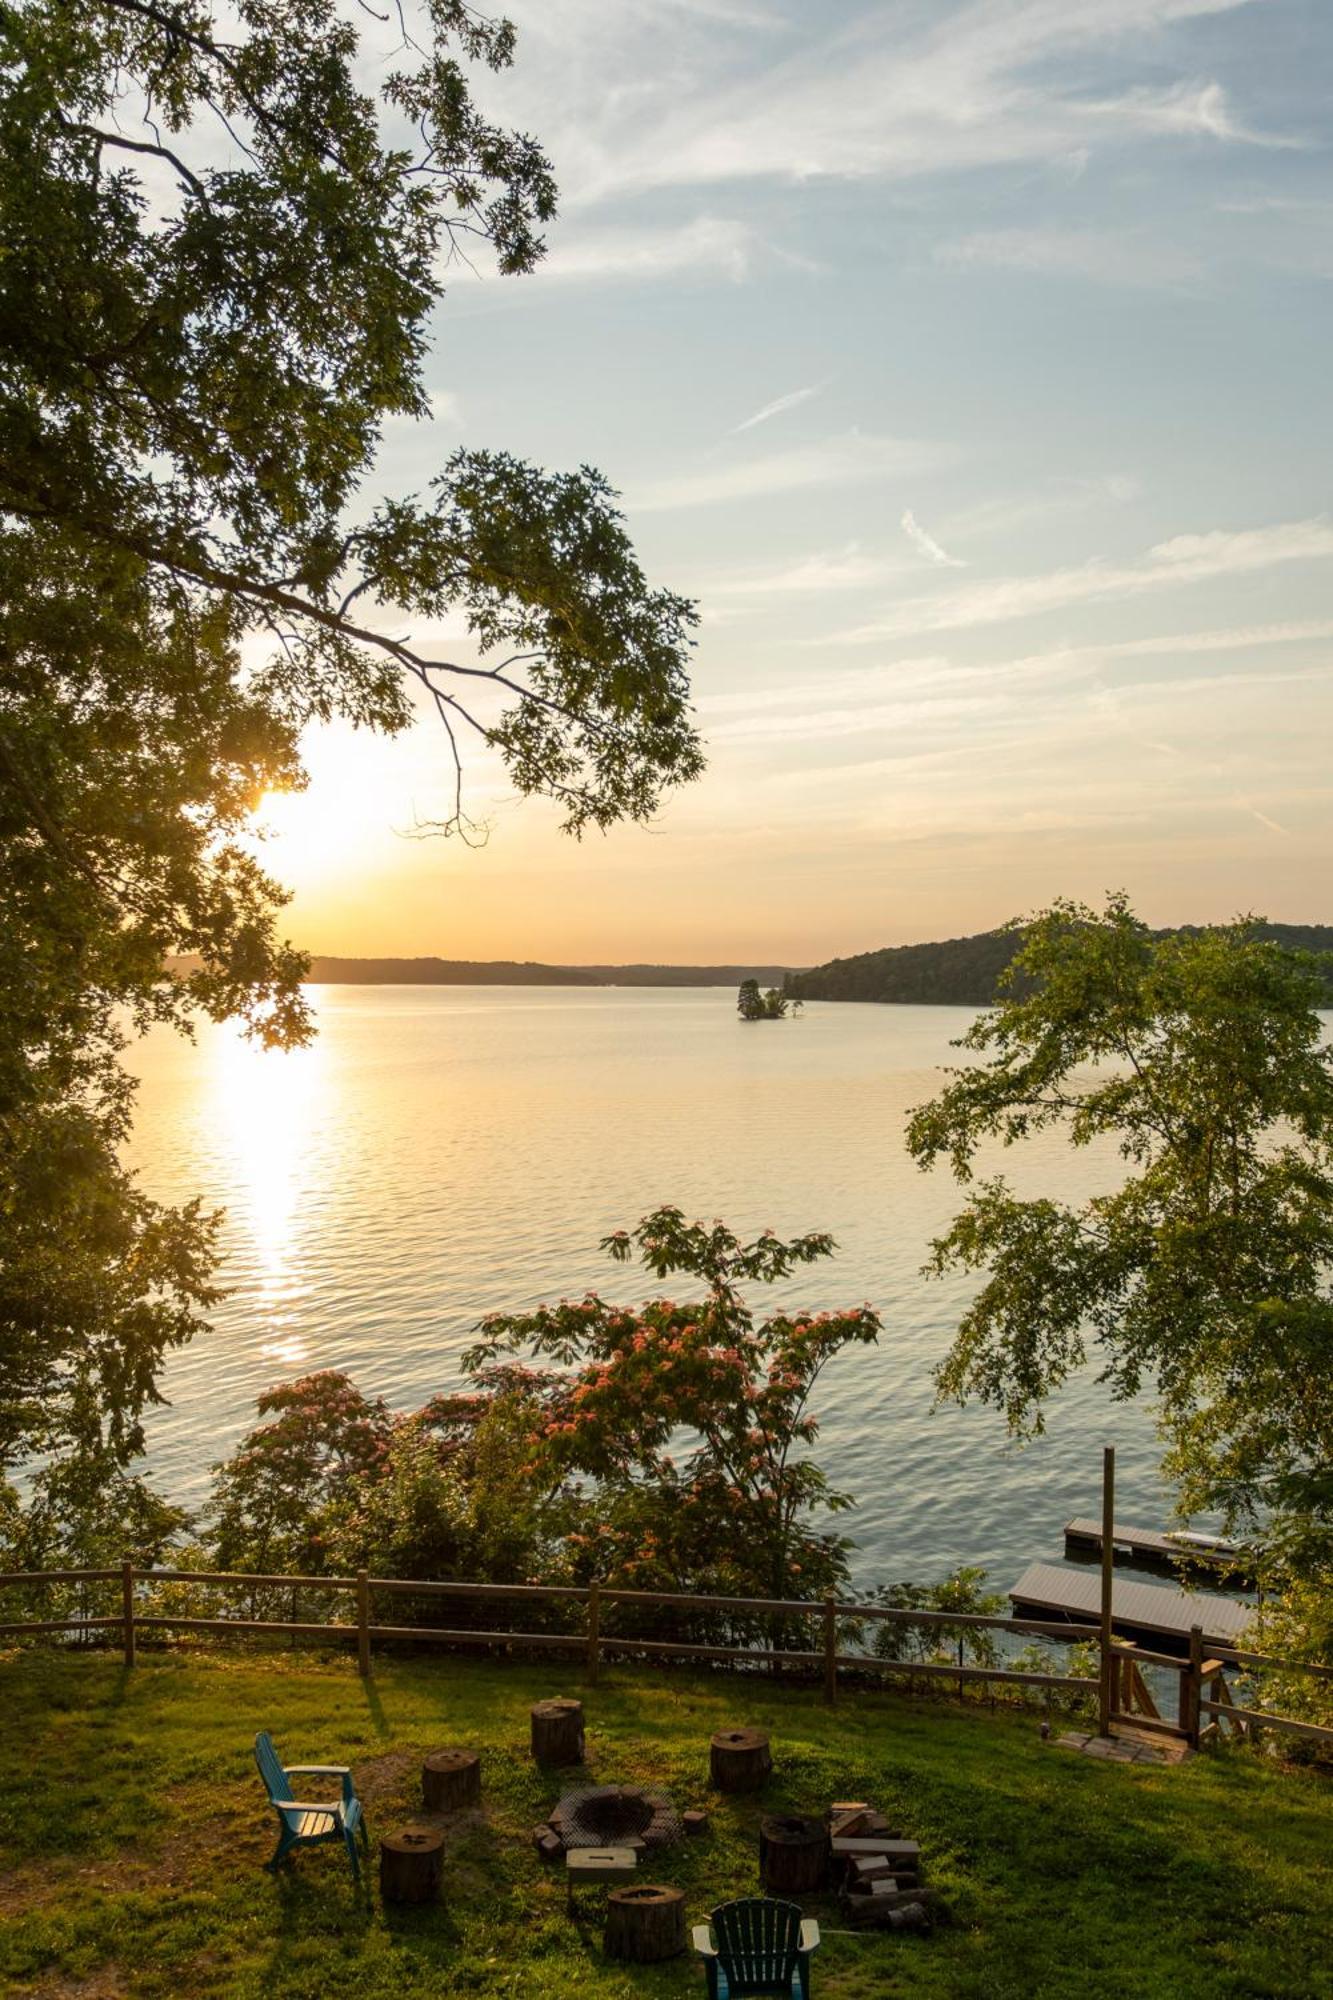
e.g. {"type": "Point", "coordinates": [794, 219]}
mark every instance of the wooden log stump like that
{"type": "Point", "coordinates": [695, 1821]}
{"type": "Point", "coordinates": [412, 1865]}
{"type": "Point", "coordinates": [645, 1924]}
{"type": "Point", "coordinates": [451, 1780]}
{"type": "Point", "coordinates": [739, 1760]}
{"type": "Point", "coordinates": [793, 1854]}
{"type": "Point", "coordinates": [557, 1731]}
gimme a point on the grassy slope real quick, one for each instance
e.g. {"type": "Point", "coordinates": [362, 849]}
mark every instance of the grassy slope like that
{"type": "Point", "coordinates": [132, 1828]}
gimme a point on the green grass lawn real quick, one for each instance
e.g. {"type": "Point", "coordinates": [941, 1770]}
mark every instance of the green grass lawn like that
{"type": "Point", "coordinates": [133, 1828]}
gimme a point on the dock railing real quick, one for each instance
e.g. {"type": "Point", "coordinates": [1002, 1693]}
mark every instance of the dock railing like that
{"type": "Point", "coordinates": [1205, 1710]}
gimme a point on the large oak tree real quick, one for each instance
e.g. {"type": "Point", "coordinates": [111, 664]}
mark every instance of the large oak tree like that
{"type": "Point", "coordinates": [222, 238]}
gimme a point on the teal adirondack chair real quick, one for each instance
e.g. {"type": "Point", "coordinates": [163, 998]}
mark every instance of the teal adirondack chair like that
{"type": "Point", "coordinates": [763, 1946]}
{"type": "Point", "coordinates": [305, 1822]}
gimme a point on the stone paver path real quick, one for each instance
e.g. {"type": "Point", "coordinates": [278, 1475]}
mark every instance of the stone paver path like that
{"type": "Point", "coordinates": [1127, 1746]}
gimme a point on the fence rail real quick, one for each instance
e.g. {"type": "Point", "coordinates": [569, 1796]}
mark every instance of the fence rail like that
{"type": "Point", "coordinates": [1119, 1685]}
{"type": "Point", "coordinates": [595, 1642]}
{"type": "Point", "coordinates": [1122, 1693]}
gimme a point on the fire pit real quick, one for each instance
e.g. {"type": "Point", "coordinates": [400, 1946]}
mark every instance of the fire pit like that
{"type": "Point", "coordinates": [609, 1815]}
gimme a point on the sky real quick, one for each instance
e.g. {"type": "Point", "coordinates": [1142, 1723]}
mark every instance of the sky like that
{"type": "Point", "coordinates": [968, 363]}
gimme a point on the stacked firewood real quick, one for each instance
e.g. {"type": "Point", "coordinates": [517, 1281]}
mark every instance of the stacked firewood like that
{"type": "Point", "coordinates": [877, 1872]}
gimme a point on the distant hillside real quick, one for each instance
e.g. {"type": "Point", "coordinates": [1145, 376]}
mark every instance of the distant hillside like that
{"type": "Point", "coordinates": [963, 972]}
{"type": "Point", "coordinates": [515, 972]}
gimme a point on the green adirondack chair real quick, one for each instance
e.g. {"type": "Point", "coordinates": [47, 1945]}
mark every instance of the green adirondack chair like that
{"type": "Point", "coordinates": [305, 1822]}
{"type": "Point", "coordinates": [763, 1946]}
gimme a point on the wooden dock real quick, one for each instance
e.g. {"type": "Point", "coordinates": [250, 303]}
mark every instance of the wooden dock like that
{"type": "Point", "coordinates": [1211, 1555]}
{"type": "Point", "coordinates": [1153, 1614]}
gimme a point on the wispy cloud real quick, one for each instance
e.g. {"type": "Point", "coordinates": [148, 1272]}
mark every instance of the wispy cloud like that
{"type": "Point", "coordinates": [926, 545]}
{"type": "Point", "coordinates": [903, 93]}
{"type": "Point", "coordinates": [838, 461]}
{"type": "Point", "coordinates": [710, 245]}
{"type": "Point", "coordinates": [1105, 257]}
{"type": "Point", "coordinates": [791, 401]}
{"type": "Point", "coordinates": [1193, 109]}
{"type": "Point", "coordinates": [1184, 559]}
{"type": "Point", "coordinates": [1274, 826]}
{"type": "Point", "coordinates": [849, 568]}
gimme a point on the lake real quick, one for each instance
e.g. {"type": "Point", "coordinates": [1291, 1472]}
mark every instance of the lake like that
{"type": "Point", "coordinates": [443, 1152]}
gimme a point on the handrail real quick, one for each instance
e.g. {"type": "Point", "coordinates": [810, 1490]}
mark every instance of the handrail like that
{"type": "Point", "coordinates": [1232, 1657]}
{"type": "Point", "coordinates": [1258, 1718]}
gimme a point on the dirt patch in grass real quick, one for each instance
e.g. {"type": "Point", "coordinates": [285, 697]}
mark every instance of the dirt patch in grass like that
{"type": "Point", "coordinates": [393, 1778]}
{"type": "Point", "coordinates": [187, 1855]}
{"type": "Point", "coordinates": [107, 1983]}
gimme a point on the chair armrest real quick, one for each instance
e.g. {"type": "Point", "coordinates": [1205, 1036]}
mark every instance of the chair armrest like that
{"type": "Point", "coordinates": [809, 1935]}
{"type": "Point", "coordinates": [702, 1939]}
{"type": "Point", "coordinates": [329, 1806]}
{"type": "Point", "coordinates": [342, 1771]}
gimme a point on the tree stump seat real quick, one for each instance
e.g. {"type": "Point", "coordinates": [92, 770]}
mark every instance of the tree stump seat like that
{"type": "Point", "coordinates": [645, 1924]}
{"type": "Point", "coordinates": [451, 1780]}
{"type": "Point", "coordinates": [739, 1760]}
{"type": "Point", "coordinates": [793, 1855]}
{"type": "Point", "coordinates": [557, 1732]}
{"type": "Point", "coordinates": [412, 1865]}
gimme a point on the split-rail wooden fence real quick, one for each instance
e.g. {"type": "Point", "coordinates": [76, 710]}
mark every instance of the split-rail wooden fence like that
{"type": "Point", "coordinates": [1121, 1689]}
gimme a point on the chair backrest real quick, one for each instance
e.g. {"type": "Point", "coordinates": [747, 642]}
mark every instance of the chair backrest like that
{"type": "Point", "coordinates": [757, 1937]}
{"type": "Point", "coordinates": [270, 1766]}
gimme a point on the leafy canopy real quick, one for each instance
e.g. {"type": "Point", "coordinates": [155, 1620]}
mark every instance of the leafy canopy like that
{"type": "Point", "coordinates": [1201, 1060]}
{"type": "Point", "coordinates": [222, 240]}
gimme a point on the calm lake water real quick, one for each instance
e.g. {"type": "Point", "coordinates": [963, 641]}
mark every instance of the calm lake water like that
{"type": "Point", "coordinates": [442, 1152]}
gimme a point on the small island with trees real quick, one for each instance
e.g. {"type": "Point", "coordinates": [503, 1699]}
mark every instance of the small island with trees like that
{"type": "Point", "coordinates": [753, 1004]}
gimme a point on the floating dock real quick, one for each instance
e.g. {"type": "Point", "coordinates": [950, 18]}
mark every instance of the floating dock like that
{"type": "Point", "coordinates": [1211, 1554]}
{"type": "Point", "coordinates": [1153, 1614]}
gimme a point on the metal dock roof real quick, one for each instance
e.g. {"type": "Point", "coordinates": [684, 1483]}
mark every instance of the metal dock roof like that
{"type": "Point", "coordinates": [1153, 1608]}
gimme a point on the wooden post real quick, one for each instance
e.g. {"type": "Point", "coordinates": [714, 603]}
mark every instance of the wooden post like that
{"type": "Point", "coordinates": [830, 1649]}
{"type": "Point", "coordinates": [793, 1855]}
{"type": "Point", "coordinates": [557, 1731]}
{"type": "Point", "coordinates": [1191, 1689]}
{"type": "Point", "coordinates": [594, 1631]}
{"type": "Point", "coordinates": [412, 1865]}
{"type": "Point", "coordinates": [739, 1760]}
{"type": "Point", "coordinates": [127, 1608]}
{"type": "Point", "coordinates": [451, 1780]}
{"type": "Point", "coordinates": [645, 1925]}
{"type": "Point", "coordinates": [363, 1623]}
{"type": "Point", "coordinates": [1106, 1689]}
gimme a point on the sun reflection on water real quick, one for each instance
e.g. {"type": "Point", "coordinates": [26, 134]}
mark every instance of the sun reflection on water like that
{"type": "Point", "coordinates": [265, 1102]}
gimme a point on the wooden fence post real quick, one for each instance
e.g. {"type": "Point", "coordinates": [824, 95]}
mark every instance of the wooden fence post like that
{"type": "Point", "coordinates": [830, 1649]}
{"type": "Point", "coordinates": [1191, 1689]}
{"type": "Point", "coordinates": [594, 1631]}
{"type": "Point", "coordinates": [1106, 1691]}
{"type": "Point", "coordinates": [127, 1608]}
{"type": "Point", "coordinates": [363, 1623]}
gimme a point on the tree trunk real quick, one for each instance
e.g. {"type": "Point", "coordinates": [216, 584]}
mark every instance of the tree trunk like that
{"type": "Point", "coordinates": [412, 1865]}
{"type": "Point", "coordinates": [451, 1780]}
{"type": "Point", "coordinates": [739, 1760]}
{"type": "Point", "coordinates": [645, 1924]}
{"type": "Point", "coordinates": [793, 1854]}
{"type": "Point", "coordinates": [557, 1731]}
